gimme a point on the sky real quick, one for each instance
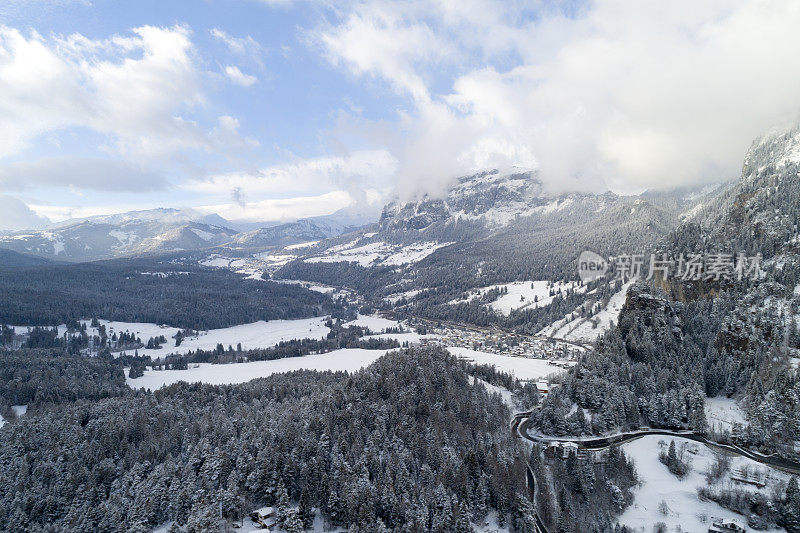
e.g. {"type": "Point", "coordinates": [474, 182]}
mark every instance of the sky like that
{"type": "Point", "coordinates": [265, 110]}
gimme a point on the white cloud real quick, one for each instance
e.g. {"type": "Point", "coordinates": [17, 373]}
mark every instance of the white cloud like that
{"type": "Point", "coordinates": [237, 45]}
{"type": "Point", "coordinates": [378, 39]}
{"type": "Point", "coordinates": [79, 173]}
{"type": "Point", "coordinates": [245, 48]}
{"type": "Point", "coordinates": [283, 209]}
{"type": "Point", "coordinates": [278, 3]}
{"type": "Point", "coordinates": [354, 173]}
{"type": "Point", "coordinates": [238, 77]}
{"type": "Point", "coordinates": [60, 213]}
{"type": "Point", "coordinates": [625, 94]}
{"type": "Point", "coordinates": [136, 89]}
{"type": "Point", "coordinates": [16, 215]}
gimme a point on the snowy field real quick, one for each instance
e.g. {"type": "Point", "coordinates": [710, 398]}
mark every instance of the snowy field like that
{"type": "Point", "coordinates": [519, 367]}
{"type": "Point", "coordinates": [259, 334]}
{"type": "Point", "coordinates": [378, 325]}
{"type": "Point", "coordinates": [680, 496]}
{"type": "Point", "coordinates": [375, 323]}
{"type": "Point", "coordinates": [350, 359]}
{"type": "Point", "coordinates": [581, 329]}
{"type": "Point", "coordinates": [377, 253]}
{"type": "Point", "coordinates": [408, 295]}
{"type": "Point", "coordinates": [324, 289]}
{"type": "Point", "coordinates": [722, 413]}
{"type": "Point", "coordinates": [523, 294]}
{"type": "Point", "coordinates": [301, 245]}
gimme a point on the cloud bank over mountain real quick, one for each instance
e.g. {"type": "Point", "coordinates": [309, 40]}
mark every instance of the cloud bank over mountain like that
{"type": "Point", "coordinates": [621, 94]}
{"type": "Point", "coordinates": [352, 103]}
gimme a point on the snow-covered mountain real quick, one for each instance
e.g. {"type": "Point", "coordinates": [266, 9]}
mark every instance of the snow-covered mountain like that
{"type": "Point", "coordinates": [300, 231]}
{"type": "Point", "coordinates": [163, 215]}
{"type": "Point", "coordinates": [491, 201]}
{"type": "Point", "coordinates": [491, 228]}
{"type": "Point", "coordinates": [166, 230]}
{"type": "Point", "coordinates": [119, 235]}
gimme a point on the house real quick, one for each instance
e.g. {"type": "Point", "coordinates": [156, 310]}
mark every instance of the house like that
{"type": "Point", "coordinates": [264, 517]}
{"type": "Point", "coordinates": [568, 448]}
{"type": "Point", "coordinates": [543, 387]}
{"type": "Point", "coordinates": [726, 525]}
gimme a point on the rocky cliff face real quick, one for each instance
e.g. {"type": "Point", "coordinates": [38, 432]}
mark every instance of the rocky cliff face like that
{"type": "Point", "coordinates": [650, 308]}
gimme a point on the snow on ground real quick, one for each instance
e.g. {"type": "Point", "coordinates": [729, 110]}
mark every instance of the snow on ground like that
{"type": "Point", "coordinates": [378, 324]}
{"type": "Point", "coordinates": [377, 253]}
{"type": "Point", "coordinates": [375, 323]}
{"type": "Point", "coordinates": [409, 337]}
{"type": "Point", "coordinates": [657, 484]}
{"type": "Point", "coordinates": [523, 294]}
{"type": "Point", "coordinates": [274, 259]}
{"type": "Point", "coordinates": [216, 262]}
{"type": "Point", "coordinates": [259, 334]}
{"type": "Point", "coordinates": [508, 212]}
{"type": "Point", "coordinates": [607, 317]}
{"type": "Point", "coordinates": [163, 275]}
{"type": "Point", "coordinates": [413, 253]}
{"type": "Point", "coordinates": [206, 236]}
{"type": "Point", "coordinates": [505, 394]}
{"type": "Point", "coordinates": [363, 255]}
{"type": "Point", "coordinates": [490, 525]}
{"type": "Point", "coordinates": [350, 359]}
{"type": "Point", "coordinates": [407, 295]}
{"type": "Point", "coordinates": [520, 367]}
{"type": "Point", "coordinates": [581, 329]}
{"type": "Point", "coordinates": [722, 413]}
{"type": "Point", "coordinates": [124, 237]}
{"type": "Point", "coordinates": [301, 245]}
{"type": "Point", "coordinates": [19, 410]}
{"type": "Point", "coordinates": [324, 289]}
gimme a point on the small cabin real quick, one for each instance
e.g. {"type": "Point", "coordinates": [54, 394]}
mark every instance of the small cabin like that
{"type": "Point", "coordinates": [543, 387]}
{"type": "Point", "coordinates": [264, 517]}
{"type": "Point", "coordinates": [727, 525]}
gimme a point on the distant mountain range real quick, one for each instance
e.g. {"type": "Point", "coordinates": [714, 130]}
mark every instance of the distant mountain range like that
{"type": "Point", "coordinates": [158, 231]}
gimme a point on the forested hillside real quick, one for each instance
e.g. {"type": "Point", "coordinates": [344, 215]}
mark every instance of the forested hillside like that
{"type": "Point", "coordinates": [406, 443]}
{"type": "Point", "coordinates": [140, 290]}
{"type": "Point", "coordinates": [680, 341]}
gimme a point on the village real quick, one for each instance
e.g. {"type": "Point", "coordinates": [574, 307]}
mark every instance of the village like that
{"type": "Point", "coordinates": [504, 343]}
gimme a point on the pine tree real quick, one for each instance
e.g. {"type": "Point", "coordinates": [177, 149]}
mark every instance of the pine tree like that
{"type": "Point", "coordinates": [282, 498]}
{"type": "Point", "coordinates": [292, 522]}
{"type": "Point", "coordinates": [790, 508]}
{"type": "Point", "coordinates": [672, 456]}
{"type": "Point", "coordinates": [305, 510]}
{"type": "Point", "coordinates": [336, 509]}
{"type": "Point", "coordinates": [481, 505]}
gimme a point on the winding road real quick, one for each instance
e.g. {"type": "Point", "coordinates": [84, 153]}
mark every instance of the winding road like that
{"type": "Point", "coordinates": [521, 422]}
